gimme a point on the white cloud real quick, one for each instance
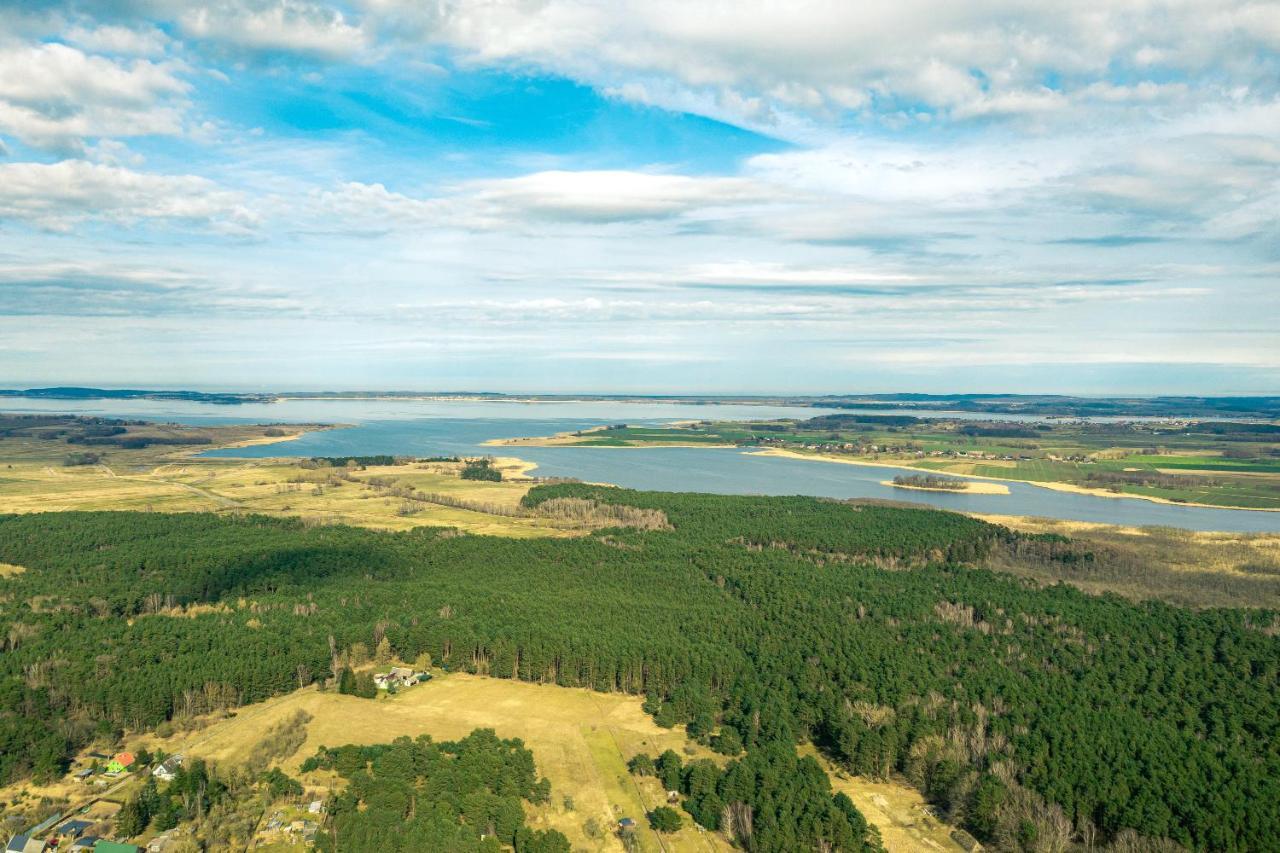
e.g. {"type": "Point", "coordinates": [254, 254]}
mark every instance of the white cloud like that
{"type": "Point", "coordinates": [54, 95]}
{"type": "Point", "coordinates": [57, 196]}
{"type": "Point", "coordinates": [612, 196]}
{"type": "Point", "coordinates": [754, 59]}
{"type": "Point", "coordinates": [549, 197]}
{"type": "Point", "coordinates": [123, 41]}
{"type": "Point", "coordinates": [270, 26]}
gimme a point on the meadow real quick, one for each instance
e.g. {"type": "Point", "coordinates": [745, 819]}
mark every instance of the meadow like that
{"type": "Point", "coordinates": [169, 477]}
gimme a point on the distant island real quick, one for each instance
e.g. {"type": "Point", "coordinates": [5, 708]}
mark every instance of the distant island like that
{"type": "Point", "coordinates": [76, 393]}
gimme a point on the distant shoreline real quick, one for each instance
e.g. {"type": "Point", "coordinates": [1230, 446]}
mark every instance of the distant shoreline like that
{"type": "Point", "coordinates": [1197, 408]}
{"type": "Point", "coordinates": [1055, 486]}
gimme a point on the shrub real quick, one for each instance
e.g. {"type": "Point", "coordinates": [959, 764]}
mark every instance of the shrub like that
{"type": "Point", "coordinates": [665, 819]}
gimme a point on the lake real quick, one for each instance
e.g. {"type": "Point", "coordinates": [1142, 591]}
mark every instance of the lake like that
{"type": "Point", "coordinates": [436, 427]}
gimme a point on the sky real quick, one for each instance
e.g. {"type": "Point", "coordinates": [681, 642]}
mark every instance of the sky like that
{"type": "Point", "coordinates": [643, 196]}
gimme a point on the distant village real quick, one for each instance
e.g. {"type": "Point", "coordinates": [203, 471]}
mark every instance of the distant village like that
{"type": "Point", "coordinates": [857, 449]}
{"type": "Point", "coordinates": [89, 824]}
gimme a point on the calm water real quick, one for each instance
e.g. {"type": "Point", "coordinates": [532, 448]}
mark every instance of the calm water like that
{"type": "Point", "coordinates": [426, 428]}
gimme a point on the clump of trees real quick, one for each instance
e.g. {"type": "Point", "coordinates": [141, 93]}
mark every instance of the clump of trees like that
{"type": "Point", "coordinates": [357, 684]}
{"type": "Point", "coordinates": [930, 481]}
{"type": "Point", "coordinates": [480, 469]}
{"type": "Point", "coordinates": [421, 795]}
{"type": "Point", "coordinates": [742, 801]}
{"type": "Point", "coordinates": [84, 458]}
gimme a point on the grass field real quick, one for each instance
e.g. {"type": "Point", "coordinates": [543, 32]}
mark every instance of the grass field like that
{"type": "Point", "coordinates": [580, 740]}
{"type": "Point", "coordinates": [176, 481]}
{"type": "Point", "coordinates": [1182, 567]}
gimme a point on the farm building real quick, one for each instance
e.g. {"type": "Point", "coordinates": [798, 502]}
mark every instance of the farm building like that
{"type": "Point", "coordinates": [399, 676]}
{"type": "Point", "coordinates": [121, 762]}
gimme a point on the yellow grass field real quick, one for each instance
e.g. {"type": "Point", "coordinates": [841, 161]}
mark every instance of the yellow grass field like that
{"type": "Point", "coordinates": [278, 487]}
{"type": "Point", "coordinates": [581, 741]}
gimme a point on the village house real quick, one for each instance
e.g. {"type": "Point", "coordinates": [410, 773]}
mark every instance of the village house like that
{"type": "Point", "coordinates": [168, 768]}
{"type": "Point", "coordinates": [24, 844]}
{"type": "Point", "coordinates": [120, 763]}
{"type": "Point", "coordinates": [74, 828]}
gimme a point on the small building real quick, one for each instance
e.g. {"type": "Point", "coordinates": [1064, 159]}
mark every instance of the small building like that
{"type": "Point", "coordinates": [627, 825]}
{"type": "Point", "coordinates": [85, 842]}
{"type": "Point", "coordinates": [84, 774]}
{"type": "Point", "coordinates": [316, 807]}
{"type": "Point", "coordinates": [74, 828]}
{"type": "Point", "coordinates": [23, 844]}
{"type": "Point", "coordinates": [121, 762]}
{"type": "Point", "coordinates": [168, 768]}
{"type": "Point", "coordinates": [114, 847]}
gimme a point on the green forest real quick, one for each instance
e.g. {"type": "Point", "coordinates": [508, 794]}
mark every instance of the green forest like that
{"type": "Point", "coordinates": [1027, 714]}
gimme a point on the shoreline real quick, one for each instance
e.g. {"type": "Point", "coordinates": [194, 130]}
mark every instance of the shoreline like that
{"type": "Point", "coordinates": [196, 455]}
{"type": "Point", "coordinates": [1055, 486]}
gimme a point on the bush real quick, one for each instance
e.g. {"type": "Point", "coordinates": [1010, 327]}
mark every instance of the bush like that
{"type": "Point", "coordinates": [665, 819]}
{"type": "Point", "coordinates": [641, 765]}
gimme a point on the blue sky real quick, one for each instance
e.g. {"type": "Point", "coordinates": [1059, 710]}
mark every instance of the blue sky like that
{"type": "Point", "coordinates": [559, 195]}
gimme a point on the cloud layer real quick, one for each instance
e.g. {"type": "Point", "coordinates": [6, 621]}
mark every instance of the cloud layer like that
{"type": "Point", "coordinates": [704, 196]}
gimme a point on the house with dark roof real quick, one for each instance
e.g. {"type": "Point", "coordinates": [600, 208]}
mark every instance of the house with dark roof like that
{"type": "Point", "coordinates": [24, 844]}
{"type": "Point", "coordinates": [168, 768]}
